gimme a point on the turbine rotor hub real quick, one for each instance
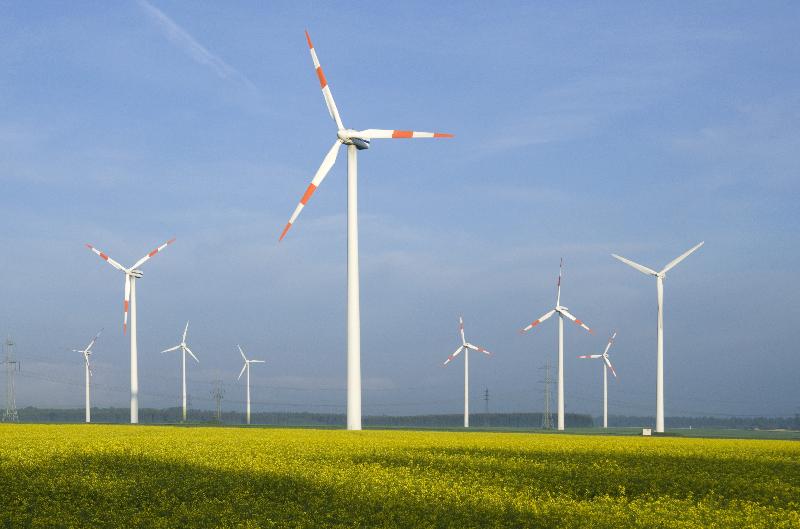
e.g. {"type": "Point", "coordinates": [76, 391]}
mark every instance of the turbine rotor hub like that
{"type": "Point", "coordinates": [348, 137]}
{"type": "Point", "coordinates": [136, 273]}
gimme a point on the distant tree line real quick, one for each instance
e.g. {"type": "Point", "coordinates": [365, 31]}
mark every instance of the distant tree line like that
{"type": "Point", "coordinates": [172, 415]}
{"type": "Point", "coordinates": [737, 423]}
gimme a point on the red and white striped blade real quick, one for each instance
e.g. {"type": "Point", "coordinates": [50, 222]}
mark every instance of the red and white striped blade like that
{"type": "Point", "coordinates": [126, 304]}
{"type": "Point", "coordinates": [320, 175]}
{"type": "Point", "coordinates": [590, 356]}
{"type": "Point", "coordinates": [452, 356]}
{"type": "Point", "coordinates": [540, 320]}
{"type": "Point", "coordinates": [323, 83]}
{"type": "Point", "coordinates": [576, 320]}
{"type": "Point", "coordinates": [479, 349]}
{"type": "Point", "coordinates": [461, 329]}
{"type": "Point", "coordinates": [371, 134]}
{"type": "Point", "coordinates": [610, 341]}
{"type": "Point", "coordinates": [147, 257]}
{"type": "Point", "coordinates": [608, 363]}
{"type": "Point", "coordinates": [106, 257]}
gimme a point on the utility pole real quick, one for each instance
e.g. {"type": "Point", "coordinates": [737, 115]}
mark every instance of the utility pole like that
{"type": "Point", "coordinates": [218, 393]}
{"type": "Point", "coordinates": [12, 365]}
{"type": "Point", "coordinates": [486, 399]}
{"type": "Point", "coordinates": [547, 416]}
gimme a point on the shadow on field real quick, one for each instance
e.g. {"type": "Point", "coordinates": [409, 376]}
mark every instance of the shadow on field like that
{"type": "Point", "coordinates": [129, 490]}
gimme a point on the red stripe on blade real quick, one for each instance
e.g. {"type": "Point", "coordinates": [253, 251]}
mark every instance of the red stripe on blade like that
{"type": "Point", "coordinates": [402, 134]}
{"type": "Point", "coordinates": [308, 38]}
{"type": "Point", "coordinates": [309, 191]}
{"type": "Point", "coordinates": [442, 135]}
{"type": "Point", "coordinates": [104, 256]}
{"type": "Point", "coordinates": [288, 225]}
{"type": "Point", "coordinates": [322, 81]}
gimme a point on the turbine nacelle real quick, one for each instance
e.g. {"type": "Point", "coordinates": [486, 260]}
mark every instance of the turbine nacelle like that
{"type": "Point", "coordinates": [135, 273]}
{"type": "Point", "coordinates": [348, 137]}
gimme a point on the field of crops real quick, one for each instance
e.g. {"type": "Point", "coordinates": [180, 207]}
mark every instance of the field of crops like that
{"type": "Point", "coordinates": [122, 476]}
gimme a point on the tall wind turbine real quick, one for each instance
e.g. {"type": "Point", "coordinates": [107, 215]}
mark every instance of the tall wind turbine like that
{"type": "Point", "coordinates": [246, 367]}
{"type": "Point", "coordinates": [184, 349]}
{"type": "Point", "coordinates": [87, 352]}
{"type": "Point", "coordinates": [660, 276]}
{"type": "Point", "coordinates": [465, 346]}
{"type": "Point", "coordinates": [562, 312]}
{"type": "Point", "coordinates": [131, 275]}
{"type": "Point", "coordinates": [606, 366]}
{"type": "Point", "coordinates": [355, 141]}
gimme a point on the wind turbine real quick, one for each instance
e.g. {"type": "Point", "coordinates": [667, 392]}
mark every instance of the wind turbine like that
{"type": "Point", "coordinates": [246, 367]}
{"type": "Point", "coordinates": [184, 349]}
{"type": "Point", "coordinates": [562, 312]}
{"type": "Point", "coordinates": [355, 141]}
{"type": "Point", "coordinates": [465, 346]}
{"type": "Point", "coordinates": [660, 276]}
{"type": "Point", "coordinates": [131, 275]}
{"type": "Point", "coordinates": [87, 352]}
{"type": "Point", "coordinates": [606, 366]}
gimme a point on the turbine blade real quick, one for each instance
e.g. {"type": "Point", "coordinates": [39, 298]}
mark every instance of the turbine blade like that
{"type": "Point", "coordinates": [591, 356]}
{"type": "Point", "coordinates": [540, 320]}
{"type": "Point", "coordinates": [450, 358]}
{"type": "Point", "coordinates": [171, 349]}
{"type": "Point", "coordinates": [126, 303]}
{"type": "Point", "coordinates": [257, 361]}
{"type": "Point", "coordinates": [91, 344]}
{"type": "Point", "coordinates": [320, 175]}
{"type": "Point", "coordinates": [608, 363]}
{"type": "Point", "coordinates": [576, 320]}
{"type": "Point", "coordinates": [241, 352]}
{"type": "Point", "coordinates": [610, 341]}
{"type": "Point", "coordinates": [242, 371]}
{"type": "Point", "coordinates": [370, 134]}
{"type": "Point", "coordinates": [479, 349]}
{"type": "Point", "coordinates": [185, 330]}
{"type": "Point", "coordinates": [461, 329]}
{"type": "Point", "coordinates": [323, 83]}
{"type": "Point", "coordinates": [147, 257]}
{"type": "Point", "coordinates": [107, 258]}
{"type": "Point", "coordinates": [680, 258]}
{"type": "Point", "coordinates": [192, 355]}
{"type": "Point", "coordinates": [643, 269]}
{"type": "Point", "coordinates": [558, 285]}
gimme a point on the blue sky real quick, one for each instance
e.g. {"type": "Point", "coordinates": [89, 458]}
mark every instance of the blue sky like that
{"type": "Point", "coordinates": [634, 128]}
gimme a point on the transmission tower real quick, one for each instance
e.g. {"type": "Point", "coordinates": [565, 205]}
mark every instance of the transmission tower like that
{"type": "Point", "coordinates": [547, 416]}
{"type": "Point", "coordinates": [486, 399]}
{"type": "Point", "coordinates": [12, 365]}
{"type": "Point", "coordinates": [218, 393]}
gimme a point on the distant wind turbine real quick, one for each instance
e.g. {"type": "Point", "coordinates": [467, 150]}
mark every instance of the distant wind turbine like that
{"type": "Point", "coordinates": [246, 367]}
{"type": "Point", "coordinates": [184, 349]}
{"type": "Point", "coordinates": [87, 352]}
{"type": "Point", "coordinates": [606, 366]}
{"type": "Point", "coordinates": [131, 275]}
{"type": "Point", "coordinates": [562, 312]}
{"type": "Point", "coordinates": [660, 276]}
{"type": "Point", "coordinates": [355, 141]}
{"type": "Point", "coordinates": [465, 346]}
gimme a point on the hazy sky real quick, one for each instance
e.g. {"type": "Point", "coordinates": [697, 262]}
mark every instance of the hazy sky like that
{"type": "Point", "coordinates": [634, 128]}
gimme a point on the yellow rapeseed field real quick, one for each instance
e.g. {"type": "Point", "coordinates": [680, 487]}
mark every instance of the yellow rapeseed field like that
{"type": "Point", "coordinates": [150, 476]}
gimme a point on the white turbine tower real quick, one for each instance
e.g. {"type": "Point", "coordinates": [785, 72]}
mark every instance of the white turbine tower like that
{"type": "Point", "coordinates": [246, 367]}
{"type": "Point", "coordinates": [355, 141]}
{"type": "Point", "coordinates": [606, 366]}
{"type": "Point", "coordinates": [562, 311]}
{"type": "Point", "coordinates": [660, 276]}
{"type": "Point", "coordinates": [131, 275]}
{"type": "Point", "coordinates": [87, 352]}
{"type": "Point", "coordinates": [465, 346]}
{"type": "Point", "coordinates": [184, 349]}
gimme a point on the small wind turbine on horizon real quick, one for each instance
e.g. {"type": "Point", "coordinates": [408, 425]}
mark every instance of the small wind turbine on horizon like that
{"type": "Point", "coordinates": [660, 276]}
{"type": "Point", "coordinates": [606, 366]}
{"type": "Point", "coordinates": [246, 367]}
{"type": "Point", "coordinates": [355, 141]}
{"type": "Point", "coordinates": [465, 347]}
{"type": "Point", "coordinates": [562, 312]}
{"type": "Point", "coordinates": [87, 352]}
{"type": "Point", "coordinates": [131, 275]}
{"type": "Point", "coordinates": [184, 349]}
